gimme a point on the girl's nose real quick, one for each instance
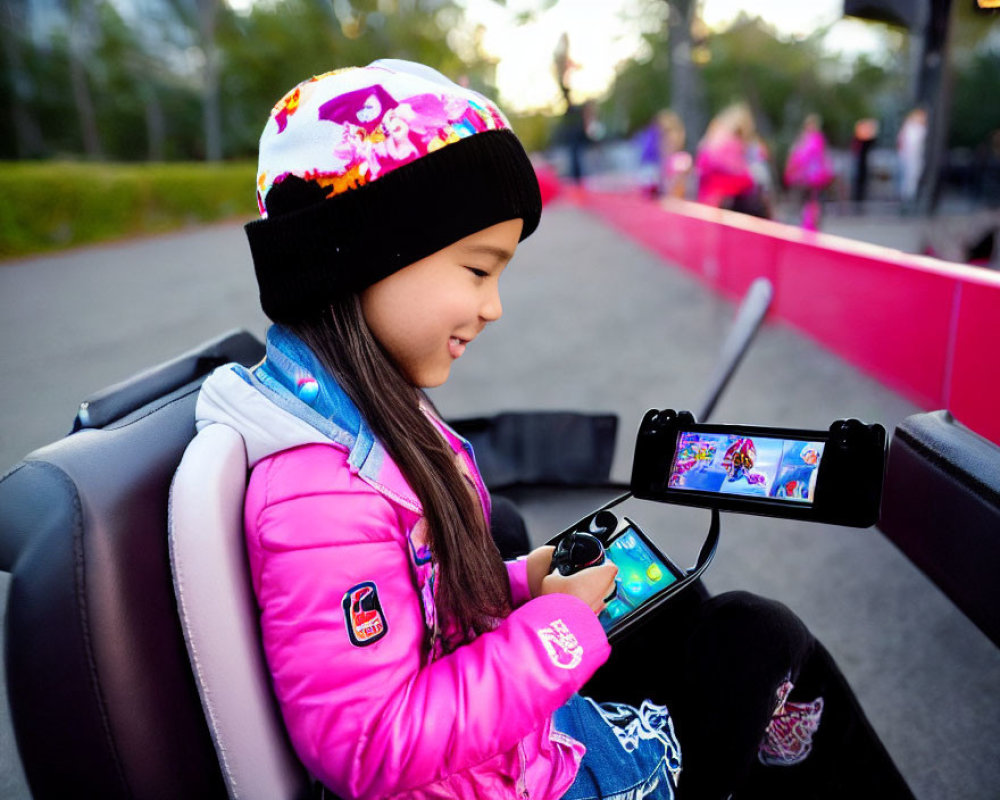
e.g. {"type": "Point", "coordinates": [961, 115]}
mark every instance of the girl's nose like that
{"type": "Point", "coordinates": [492, 308]}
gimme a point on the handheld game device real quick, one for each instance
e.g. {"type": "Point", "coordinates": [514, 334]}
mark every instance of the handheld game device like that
{"type": "Point", "coordinates": [646, 578]}
{"type": "Point", "coordinates": [832, 476]}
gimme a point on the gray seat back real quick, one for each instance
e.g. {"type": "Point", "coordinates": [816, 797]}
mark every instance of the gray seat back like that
{"type": "Point", "coordinates": [218, 615]}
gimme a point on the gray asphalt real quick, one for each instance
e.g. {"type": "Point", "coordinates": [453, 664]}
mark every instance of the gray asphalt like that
{"type": "Point", "coordinates": [592, 322]}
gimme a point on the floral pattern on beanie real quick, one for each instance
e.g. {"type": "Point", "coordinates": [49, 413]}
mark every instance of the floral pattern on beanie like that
{"type": "Point", "coordinates": [349, 127]}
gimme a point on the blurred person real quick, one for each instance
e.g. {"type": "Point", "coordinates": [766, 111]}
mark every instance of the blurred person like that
{"type": "Point", "coordinates": [987, 176]}
{"type": "Point", "coordinates": [724, 177]}
{"type": "Point", "coordinates": [575, 132]}
{"type": "Point", "coordinates": [663, 164]}
{"type": "Point", "coordinates": [864, 138]}
{"type": "Point", "coordinates": [563, 66]}
{"type": "Point", "coordinates": [910, 147]}
{"type": "Point", "coordinates": [809, 170]}
{"type": "Point", "coordinates": [577, 121]}
{"type": "Point", "coordinates": [759, 163]}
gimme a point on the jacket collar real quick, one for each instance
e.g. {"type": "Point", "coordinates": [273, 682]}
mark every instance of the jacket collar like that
{"type": "Point", "coordinates": [294, 379]}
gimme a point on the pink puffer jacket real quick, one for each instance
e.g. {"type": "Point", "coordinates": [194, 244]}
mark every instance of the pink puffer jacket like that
{"type": "Point", "coordinates": [346, 592]}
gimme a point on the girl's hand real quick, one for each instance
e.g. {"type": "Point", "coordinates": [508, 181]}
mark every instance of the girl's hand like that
{"type": "Point", "coordinates": [539, 563]}
{"type": "Point", "coordinates": [592, 585]}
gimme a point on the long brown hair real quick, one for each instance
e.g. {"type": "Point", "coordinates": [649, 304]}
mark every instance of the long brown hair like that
{"type": "Point", "coordinates": [473, 588]}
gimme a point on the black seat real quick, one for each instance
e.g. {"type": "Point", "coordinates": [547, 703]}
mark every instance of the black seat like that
{"type": "Point", "coordinates": [101, 691]}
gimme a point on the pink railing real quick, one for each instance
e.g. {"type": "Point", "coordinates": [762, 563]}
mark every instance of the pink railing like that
{"type": "Point", "coordinates": [926, 328]}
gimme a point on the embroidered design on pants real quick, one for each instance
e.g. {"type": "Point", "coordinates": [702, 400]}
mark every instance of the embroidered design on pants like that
{"type": "Point", "coordinates": [789, 735]}
{"type": "Point", "coordinates": [648, 722]}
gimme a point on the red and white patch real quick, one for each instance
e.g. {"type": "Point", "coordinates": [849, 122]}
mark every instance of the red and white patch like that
{"type": "Point", "coordinates": [363, 614]}
{"type": "Point", "coordinates": [788, 739]}
{"type": "Point", "coordinates": [564, 649]}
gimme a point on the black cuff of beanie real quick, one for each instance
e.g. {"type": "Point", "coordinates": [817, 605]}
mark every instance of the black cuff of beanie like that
{"type": "Point", "coordinates": [306, 258]}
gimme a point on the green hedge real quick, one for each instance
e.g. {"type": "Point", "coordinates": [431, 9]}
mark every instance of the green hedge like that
{"type": "Point", "coordinates": [57, 204]}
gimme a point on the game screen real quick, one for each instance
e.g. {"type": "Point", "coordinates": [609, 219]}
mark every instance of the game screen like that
{"type": "Point", "coordinates": [641, 574]}
{"type": "Point", "coordinates": [780, 469]}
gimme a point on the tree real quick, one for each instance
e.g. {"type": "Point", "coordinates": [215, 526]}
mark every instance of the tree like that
{"type": "Point", "coordinates": [975, 55]}
{"type": "Point", "coordinates": [782, 79]}
{"type": "Point", "coordinates": [17, 88]}
{"type": "Point", "coordinates": [82, 35]}
{"type": "Point", "coordinates": [201, 18]}
{"type": "Point", "coordinates": [684, 88]}
{"type": "Point", "coordinates": [128, 104]}
{"type": "Point", "coordinates": [191, 78]}
{"type": "Point", "coordinates": [273, 47]}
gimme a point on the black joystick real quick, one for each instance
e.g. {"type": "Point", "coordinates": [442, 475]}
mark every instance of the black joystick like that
{"type": "Point", "coordinates": [582, 548]}
{"type": "Point", "coordinates": [576, 551]}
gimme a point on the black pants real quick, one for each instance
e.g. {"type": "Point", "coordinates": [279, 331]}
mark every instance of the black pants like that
{"type": "Point", "coordinates": [717, 663]}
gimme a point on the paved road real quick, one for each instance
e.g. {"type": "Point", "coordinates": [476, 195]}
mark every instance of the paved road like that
{"type": "Point", "coordinates": [79, 321]}
{"type": "Point", "coordinates": [591, 323]}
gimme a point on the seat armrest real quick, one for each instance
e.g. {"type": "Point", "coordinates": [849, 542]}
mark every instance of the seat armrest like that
{"type": "Point", "coordinates": [941, 508]}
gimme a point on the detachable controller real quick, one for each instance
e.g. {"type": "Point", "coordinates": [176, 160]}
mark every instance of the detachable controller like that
{"type": "Point", "coordinates": [584, 547]}
{"type": "Point", "coordinates": [576, 551]}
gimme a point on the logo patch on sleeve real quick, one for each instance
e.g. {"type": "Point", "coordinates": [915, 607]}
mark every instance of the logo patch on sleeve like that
{"type": "Point", "coordinates": [363, 614]}
{"type": "Point", "coordinates": [563, 648]}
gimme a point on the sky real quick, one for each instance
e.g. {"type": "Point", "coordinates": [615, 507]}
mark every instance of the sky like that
{"type": "Point", "coordinates": [600, 36]}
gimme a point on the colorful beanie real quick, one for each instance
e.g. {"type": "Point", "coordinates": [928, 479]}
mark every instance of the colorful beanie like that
{"type": "Point", "coordinates": [368, 169]}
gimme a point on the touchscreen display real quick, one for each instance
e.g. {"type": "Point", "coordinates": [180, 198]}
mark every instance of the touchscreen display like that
{"type": "Point", "coordinates": [641, 575]}
{"type": "Point", "coordinates": [754, 466]}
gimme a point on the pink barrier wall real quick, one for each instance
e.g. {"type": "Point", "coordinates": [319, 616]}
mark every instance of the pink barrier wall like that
{"type": "Point", "coordinates": [926, 328]}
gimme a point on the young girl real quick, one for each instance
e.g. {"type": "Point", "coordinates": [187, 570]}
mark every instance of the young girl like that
{"type": "Point", "coordinates": [408, 659]}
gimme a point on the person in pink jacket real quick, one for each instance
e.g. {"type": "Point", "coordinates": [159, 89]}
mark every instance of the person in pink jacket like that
{"type": "Point", "coordinates": [408, 660]}
{"type": "Point", "coordinates": [809, 169]}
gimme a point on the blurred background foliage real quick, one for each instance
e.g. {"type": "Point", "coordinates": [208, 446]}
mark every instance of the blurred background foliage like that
{"type": "Point", "coordinates": [111, 81]}
{"type": "Point", "coordinates": [194, 79]}
{"type": "Point", "coordinates": [57, 204]}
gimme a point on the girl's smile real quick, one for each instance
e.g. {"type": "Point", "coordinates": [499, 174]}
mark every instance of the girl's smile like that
{"type": "Point", "coordinates": [426, 314]}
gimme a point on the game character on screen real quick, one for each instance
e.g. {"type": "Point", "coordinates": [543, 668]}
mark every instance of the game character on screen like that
{"type": "Point", "coordinates": [797, 477]}
{"type": "Point", "coordinates": [693, 455]}
{"type": "Point", "coordinates": [739, 462]}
